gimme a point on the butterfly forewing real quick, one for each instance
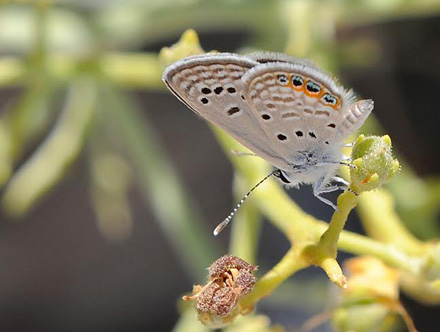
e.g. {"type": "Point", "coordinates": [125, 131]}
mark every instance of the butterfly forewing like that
{"type": "Point", "coordinates": [212, 86]}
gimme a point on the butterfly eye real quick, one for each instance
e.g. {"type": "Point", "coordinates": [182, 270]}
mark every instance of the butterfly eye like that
{"type": "Point", "coordinates": [313, 87]}
{"type": "Point", "coordinates": [297, 81]}
{"type": "Point", "coordinates": [329, 99]}
{"type": "Point", "coordinates": [282, 79]}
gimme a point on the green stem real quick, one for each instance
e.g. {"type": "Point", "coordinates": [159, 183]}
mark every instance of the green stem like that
{"type": "Point", "coordinates": [129, 70]}
{"type": "Point", "coordinates": [133, 70]}
{"type": "Point", "coordinates": [329, 240]}
{"type": "Point", "coordinates": [154, 21]}
{"type": "Point", "coordinates": [161, 187]}
{"type": "Point", "coordinates": [40, 47]}
{"type": "Point", "coordinates": [288, 265]}
{"type": "Point", "coordinates": [12, 71]}
{"type": "Point", "coordinates": [245, 228]}
{"type": "Point", "coordinates": [388, 253]}
{"type": "Point", "coordinates": [188, 322]}
{"type": "Point", "coordinates": [381, 222]}
{"type": "Point", "coordinates": [49, 162]}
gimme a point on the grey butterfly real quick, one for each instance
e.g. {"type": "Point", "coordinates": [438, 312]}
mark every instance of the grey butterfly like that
{"type": "Point", "coordinates": [284, 109]}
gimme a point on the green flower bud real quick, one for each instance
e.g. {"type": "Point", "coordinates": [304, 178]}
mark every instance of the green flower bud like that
{"type": "Point", "coordinates": [371, 302]}
{"type": "Point", "coordinates": [374, 163]}
{"type": "Point", "coordinates": [365, 317]}
{"type": "Point", "coordinates": [187, 45]}
{"type": "Point", "coordinates": [425, 286]}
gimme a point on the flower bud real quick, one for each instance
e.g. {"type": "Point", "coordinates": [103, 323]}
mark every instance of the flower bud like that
{"type": "Point", "coordinates": [229, 279]}
{"type": "Point", "coordinates": [425, 286]}
{"type": "Point", "coordinates": [187, 45]}
{"type": "Point", "coordinates": [374, 163]}
{"type": "Point", "coordinates": [371, 301]}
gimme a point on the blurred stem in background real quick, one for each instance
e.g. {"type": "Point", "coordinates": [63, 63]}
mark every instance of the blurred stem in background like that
{"type": "Point", "coordinates": [49, 162]}
{"type": "Point", "coordinates": [246, 226]}
{"type": "Point", "coordinates": [111, 179]}
{"type": "Point", "coordinates": [160, 186]}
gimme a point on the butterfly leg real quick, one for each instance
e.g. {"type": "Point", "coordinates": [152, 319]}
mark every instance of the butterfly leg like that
{"type": "Point", "coordinates": [329, 189]}
{"type": "Point", "coordinates": [344, 185]}
{"type": "Point", "coordinates": [320, 188]}
{"type": "Point", "coordinates": [342, 181]}
{"type": "Point", "coordinates": [241, 154]}
{"type": "Point", "coordinates": [326, 201]}
{"type": "Point", "coordinates": [349, 145]}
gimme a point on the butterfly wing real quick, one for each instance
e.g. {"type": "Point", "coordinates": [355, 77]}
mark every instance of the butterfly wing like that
{"type": "Point", "coordinates": [352, 116]}
{"type": "Point", "coordinates": [212, 86]}
{"type": "Point", "coordinates": [300, 107]}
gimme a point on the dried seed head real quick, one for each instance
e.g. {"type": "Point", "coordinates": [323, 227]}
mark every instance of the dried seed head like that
{"type": "Point", "coordinates": [226, 263]}
{"type": "Point", "coordinates": [216, 302]}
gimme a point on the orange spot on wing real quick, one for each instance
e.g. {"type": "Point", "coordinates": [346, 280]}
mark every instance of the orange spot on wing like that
{"type": "Point", "coordinates": [313, 94]}
{"type": "Point", "coordinates": [296, 88]}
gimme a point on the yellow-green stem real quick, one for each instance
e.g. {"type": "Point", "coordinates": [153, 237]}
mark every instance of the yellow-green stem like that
{"type": "Point", "coordinates": [329, 240]}
{"type": "Point", "coordinates": [289, 264]}
{"type": "Point", "coordinates": [245, 227]}
{"type": "Point", "coordinates": [49, 162]}
{"type": "Point", "coordinates": [381, 222]}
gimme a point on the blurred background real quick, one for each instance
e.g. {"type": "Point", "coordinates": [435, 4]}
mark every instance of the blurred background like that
{"type": "Point", "coordinates": [111, 187]}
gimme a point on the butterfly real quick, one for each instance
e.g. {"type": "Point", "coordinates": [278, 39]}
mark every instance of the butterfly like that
{"type": "Point", "coordinates": [284, 109]}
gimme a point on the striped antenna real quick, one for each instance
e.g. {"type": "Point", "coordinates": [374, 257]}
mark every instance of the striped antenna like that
{"type": "Point", "coordinates": [225, 222]}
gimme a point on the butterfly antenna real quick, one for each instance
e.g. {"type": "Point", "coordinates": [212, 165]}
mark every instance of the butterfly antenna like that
{"type": "Point", "coordinates": [225, 222]}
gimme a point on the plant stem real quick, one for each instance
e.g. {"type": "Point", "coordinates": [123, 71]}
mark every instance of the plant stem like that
{"type": "Point", "coordinates": [329, 240]}
{"type": "Point", "coordinates": [161, 187]}
{"type": "Point", "coordinates": [288, 265]}
{"type": "Point", "coordinates": [381, 222]}
{"type": "Point", "coordinates": [245, 228]}
{"type": "Point", "coordinates": [362, 245]}
{"type": "Point", "coordinates": [130, 70]}
{"type": "Point", "coordinates": [49, 162]}
{"type": "Point", "coordinates": [188, 322]}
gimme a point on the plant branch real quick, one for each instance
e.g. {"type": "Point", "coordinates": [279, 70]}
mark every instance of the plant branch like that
{"type": "Point", "coordinates": [245, 228]}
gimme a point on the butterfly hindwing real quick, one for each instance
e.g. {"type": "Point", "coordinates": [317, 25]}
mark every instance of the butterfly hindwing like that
{"type": "Point", "coordinates": [299, 107]}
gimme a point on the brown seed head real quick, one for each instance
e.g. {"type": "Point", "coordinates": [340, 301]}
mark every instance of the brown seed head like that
{"type": "Point", "coordinates": [226, 263]}
{"type": "Point", "coordinates": [229, 278]}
